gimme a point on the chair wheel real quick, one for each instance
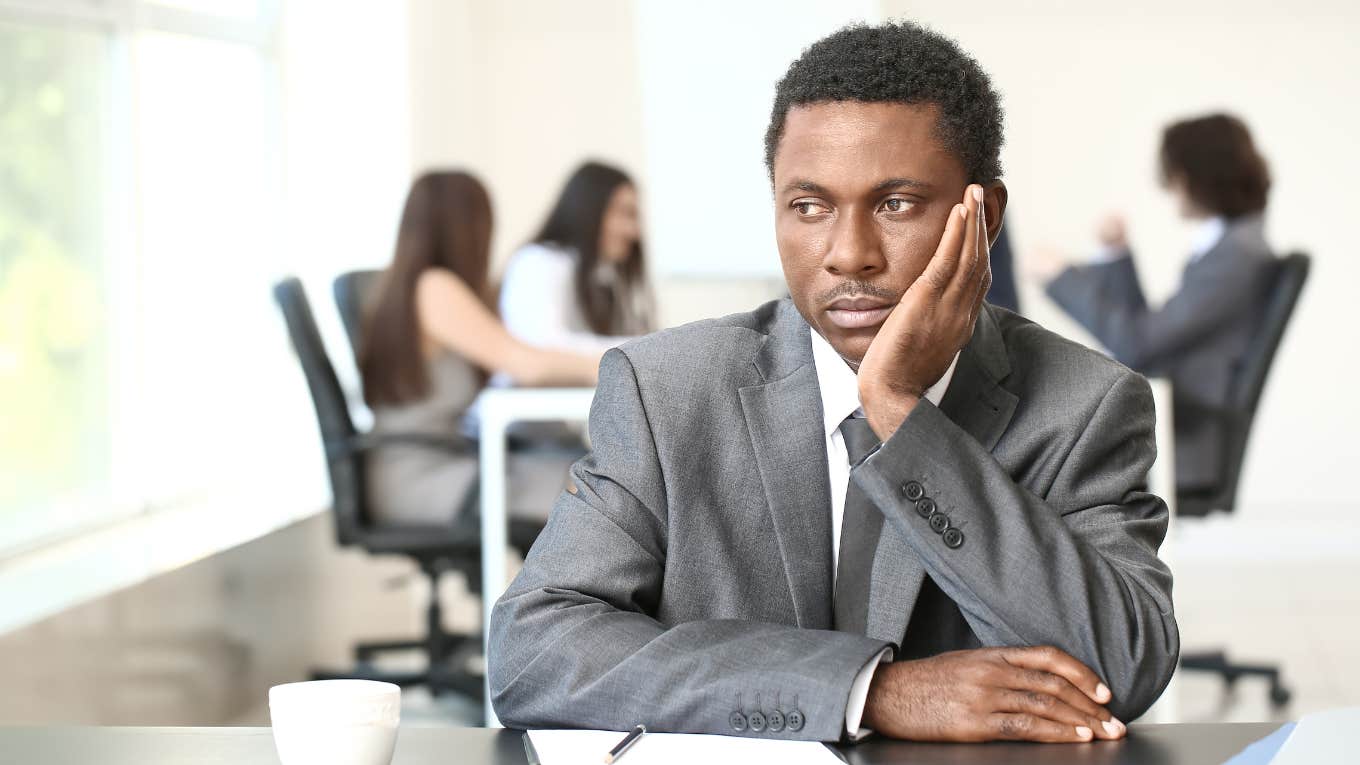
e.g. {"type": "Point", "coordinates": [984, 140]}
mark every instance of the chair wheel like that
{"type": "Point", "coordinates": [1280, 696]}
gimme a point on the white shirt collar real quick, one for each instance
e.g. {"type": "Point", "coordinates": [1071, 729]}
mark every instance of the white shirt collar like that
{"type": "Point", "coordinates": [840, 386]}
{"type": "Point", "coordinates": [1208, 233]}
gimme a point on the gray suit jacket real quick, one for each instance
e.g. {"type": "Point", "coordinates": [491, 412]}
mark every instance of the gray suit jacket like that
{"type": "Point", "coordinates": [1196, 339]}
{"type": "Point", "coordinates": [684, 578]}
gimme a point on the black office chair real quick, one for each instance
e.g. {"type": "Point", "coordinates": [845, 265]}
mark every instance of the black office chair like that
{"type": "Point", "coordinates": [436, 549]}
{"type": "Point", "coordinates": [352, 291]}
{"type": "Point", "coordinates": [1243, 398]}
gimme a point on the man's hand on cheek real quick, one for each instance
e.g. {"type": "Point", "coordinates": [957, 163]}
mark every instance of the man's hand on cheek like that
{"type": "Point", "coordinates": [931, 323]}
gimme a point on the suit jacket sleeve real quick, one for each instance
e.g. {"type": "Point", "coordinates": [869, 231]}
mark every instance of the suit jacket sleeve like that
{"type": "Point", "coordinates": [574, 641]}
{"type": "Point", "coordinates": [1076, 568]}
{"type": "Point", "coordinates": [1105, 298]}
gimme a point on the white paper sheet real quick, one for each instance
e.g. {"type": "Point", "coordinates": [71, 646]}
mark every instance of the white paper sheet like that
{"type": "Point", "coordinates": [1322, 738]}
{"type": "Point", "coordinates": [588, 747]}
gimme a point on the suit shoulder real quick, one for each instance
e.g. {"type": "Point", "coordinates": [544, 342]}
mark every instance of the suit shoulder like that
{"type": "Point", "coordinates": [1056, 362]}
{"type": "Point", "coordinates": [735, 337]}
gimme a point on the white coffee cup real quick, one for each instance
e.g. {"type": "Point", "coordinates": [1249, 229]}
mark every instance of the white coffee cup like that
{"type": "Point", "coordinates": [335, 722]}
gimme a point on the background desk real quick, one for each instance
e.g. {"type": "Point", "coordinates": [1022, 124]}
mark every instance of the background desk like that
{"type": "Point", "coordinates": [1147, 745]}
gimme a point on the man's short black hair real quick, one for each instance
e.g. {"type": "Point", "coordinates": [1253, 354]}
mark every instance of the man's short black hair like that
{"type": "Point", "coordinates": [899, 62]}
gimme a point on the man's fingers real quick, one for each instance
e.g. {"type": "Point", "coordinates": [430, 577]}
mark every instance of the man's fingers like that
{"type": "Point", "coordinates": [984, 266]}
{"type": "Point", "coordinates": [939, 272]}
{"type": "Point", "coordinates": [1049, 659]}
{"type": "Point", "coordinates": [1037, 680]}
{"type": "Point", "coordinates": [1059, 709]}
{"type": "Point", "coordinates": [1011, 726]}
{"type": "Point", "coordinates": [967, 254]}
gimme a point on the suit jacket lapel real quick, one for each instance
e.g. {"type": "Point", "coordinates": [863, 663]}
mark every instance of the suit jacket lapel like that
{"type": "Point", "coordinates": [784, 417]}
{"type": "Point", "coordinates": [976, 402]}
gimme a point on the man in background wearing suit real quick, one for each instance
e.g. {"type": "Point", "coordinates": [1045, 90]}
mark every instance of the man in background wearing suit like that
{"type": "Point", "coordinates": [880, 505]}
{"type": "Point", "coordinates": [1198, 337]}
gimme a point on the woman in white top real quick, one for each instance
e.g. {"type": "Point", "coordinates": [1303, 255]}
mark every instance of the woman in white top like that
{"type": "Point", "coordinates": [581, 283]}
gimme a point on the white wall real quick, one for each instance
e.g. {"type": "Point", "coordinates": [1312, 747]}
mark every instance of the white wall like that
{"type": "Point", "coordinates": [520, 92]}
{"type": "Point", "coordinates": [709, 70]}
{"type": "Point", "coordinates": [1088, 87]}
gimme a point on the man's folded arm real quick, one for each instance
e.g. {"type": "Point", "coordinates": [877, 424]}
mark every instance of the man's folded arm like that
{"type": "Point", "coordinates": [575, 642]}
{"type": "Point", "coordinates": [1077, 570]}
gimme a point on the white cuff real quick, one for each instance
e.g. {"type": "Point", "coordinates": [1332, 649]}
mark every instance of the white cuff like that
{"type": "Point", "coordinates": [1108, 253]}
{"type": "Point", "coordinates": [859, 694]}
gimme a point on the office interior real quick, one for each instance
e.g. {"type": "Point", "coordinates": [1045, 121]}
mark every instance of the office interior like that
{"type": "Point", "coordinates": [167, 551]}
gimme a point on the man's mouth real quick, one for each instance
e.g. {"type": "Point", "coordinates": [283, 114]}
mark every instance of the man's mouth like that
{"type": "Point", "coordinates": [858, 312]}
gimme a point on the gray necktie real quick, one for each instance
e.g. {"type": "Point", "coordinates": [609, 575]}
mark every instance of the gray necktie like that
{"type": "Point", "coordinates": [860, 527]}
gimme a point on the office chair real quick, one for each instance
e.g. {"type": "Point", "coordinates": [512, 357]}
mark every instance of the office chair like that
{"type": "Point", "coordinates": [1243, 398]}
{"type": "Point", "coordinates": [352, 291]}
{"type": "Point", "coordinates": [436, 549]}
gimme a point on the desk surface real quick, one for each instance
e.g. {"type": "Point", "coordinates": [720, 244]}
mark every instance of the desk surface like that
{"type": "Point", "coordinates": [1146, 745]}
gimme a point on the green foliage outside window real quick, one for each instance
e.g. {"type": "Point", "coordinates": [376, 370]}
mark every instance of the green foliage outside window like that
{"type": "Point", "coordinates": [54, 382]}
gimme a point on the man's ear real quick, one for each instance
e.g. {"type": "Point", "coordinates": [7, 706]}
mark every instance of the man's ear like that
{"type": "Point", "coordinates": [994, 196]}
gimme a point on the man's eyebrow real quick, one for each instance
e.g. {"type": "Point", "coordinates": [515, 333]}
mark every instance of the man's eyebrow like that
{"type": "Point", "coordinates": [881, 186]}
{"type": "Point", "coordinates": [901, 183]}
{"type": "Point", "coordinates": [803, 185]}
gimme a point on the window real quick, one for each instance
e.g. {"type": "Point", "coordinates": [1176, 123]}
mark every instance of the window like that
{"type": "Point", "coordinates": [54, 306]}
{"type": "Point", "coordinates": [141, 180]}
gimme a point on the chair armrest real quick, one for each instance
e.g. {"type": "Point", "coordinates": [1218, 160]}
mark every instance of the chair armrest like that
{"type": "Point", "coordinates": [370, 441]}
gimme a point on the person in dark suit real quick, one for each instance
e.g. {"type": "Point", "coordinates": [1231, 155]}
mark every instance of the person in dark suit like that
{"type": "Point", "coordinates": [1198, 336]}
{"type": "Point", "coordinates": [1003, 292]}
{"type": "Point", "coordinates": [878, 504]}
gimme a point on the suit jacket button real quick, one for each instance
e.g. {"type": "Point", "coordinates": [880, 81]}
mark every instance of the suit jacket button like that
{"type": "Point", "coordinates": [953, 539]}
{"type": "Point", "coordinates": [793, 719]}
{"type": "Point", "coordinates": [757, 721]}
{"type": "Point", "coordinates": [738, 721]}
{"type": "Point", "coordinates": [775, 721]}
{"type": "Point", "coordinates": [913, 490]}
{"type": "Point", "coordinates": [939, 522]}
{"type": "Point", "coordinates": [925, 507]}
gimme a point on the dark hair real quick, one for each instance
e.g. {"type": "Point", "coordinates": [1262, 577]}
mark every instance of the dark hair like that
{"type": "Point", "coordinates": [575, 223]}
{"type": "Point", "coordinates": [446, 224]}
{"type": "Point", "coordinates": [1216, 159]}
{"type": "Point", "coordinates": [899, 62]}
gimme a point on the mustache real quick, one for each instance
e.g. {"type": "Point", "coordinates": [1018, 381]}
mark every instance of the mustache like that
{"type": "Point", "coordinates": [856, 287]}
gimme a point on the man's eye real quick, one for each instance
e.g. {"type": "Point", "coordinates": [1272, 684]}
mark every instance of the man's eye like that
{"type": "Point", "coordinates": [805, 208]}
{"type": "Point", "coordinates": [896, 205]}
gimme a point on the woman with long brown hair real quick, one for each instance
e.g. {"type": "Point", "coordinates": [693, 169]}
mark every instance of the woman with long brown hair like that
{"type": "Point", "coordinates": [431, 340]}
{"type": "Point", "coordinates": [582, 282]}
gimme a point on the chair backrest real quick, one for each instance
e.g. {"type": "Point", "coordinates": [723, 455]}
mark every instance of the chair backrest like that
{"type": "Point", "coordinates": [1250, 380]}
{"type": "Point", "coordinates": [338, 434]}
{"type": "Point", "coordinates": [352, 291]}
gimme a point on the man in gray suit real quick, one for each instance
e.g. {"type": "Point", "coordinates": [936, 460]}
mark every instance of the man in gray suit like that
{"type": "Point", "coordinates": [882, 505]}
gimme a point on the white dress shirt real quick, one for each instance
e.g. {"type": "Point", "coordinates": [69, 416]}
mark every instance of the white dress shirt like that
{"type": "Point", "coordinates": [539, 305]}
{"type": "Point", "coordinates": [840, 399]}
{"type": "Point", "coordinates": [1208, 233]}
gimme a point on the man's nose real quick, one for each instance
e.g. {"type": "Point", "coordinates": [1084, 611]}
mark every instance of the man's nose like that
{"type": "Point", "coordinates": [855, 249]}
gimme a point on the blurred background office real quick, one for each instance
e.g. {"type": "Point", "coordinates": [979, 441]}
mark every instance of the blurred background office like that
{"type": "Point", "coordinates": [166, 546]}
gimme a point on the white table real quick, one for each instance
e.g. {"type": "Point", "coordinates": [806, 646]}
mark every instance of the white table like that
{"type": "Point", "coordinates": [498, 409]}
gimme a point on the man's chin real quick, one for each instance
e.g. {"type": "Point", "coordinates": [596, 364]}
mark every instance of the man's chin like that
{"type": "Point", "coordinates": [853, 345]}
